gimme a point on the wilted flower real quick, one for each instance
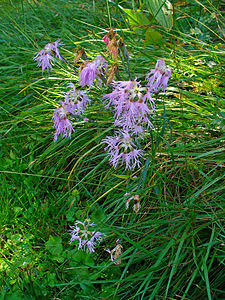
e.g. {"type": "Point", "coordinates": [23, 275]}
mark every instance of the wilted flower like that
{"type": "Point", "coordinates": [136, 201]}
{"type": "Point", "coordinates": [78, 55]}
{"type": "Point", "coordinates": [45, 57]}
{"type": "Point", "coordinates": [118, 250]}
{"type": "Point", "coordinates": [87, 239]}
{"type": "Point", "coordinates": [122, 150]}
{"type": "Point", "coordinates": [111, 73]}
{"type": "Point", "coordinates": [93, 70]}
{"type": "Point", "coordinates": [106, 38]}
{"type": "Point", "coordinates": [159, 77]}
{"type": "Point", "coordinates": [129, 100]}
{"type": "Point", "coordinates": [112, 44]}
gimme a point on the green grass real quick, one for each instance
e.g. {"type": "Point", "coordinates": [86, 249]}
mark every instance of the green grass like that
{"type": "Point", "coordinates": [174, 247]}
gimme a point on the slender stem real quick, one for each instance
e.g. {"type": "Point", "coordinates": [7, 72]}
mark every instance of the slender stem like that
{"type": "Point", "coordinates": [110, 22]}
{"type": "Point", "coordinates": [125, 66]}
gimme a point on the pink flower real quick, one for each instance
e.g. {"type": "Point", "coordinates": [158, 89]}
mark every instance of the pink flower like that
{"type": "Point", "coordinates": [54, 48]}
{"type": "Point", "coordinates": [88, 239]}
{"type": "Point", "coordinates": [76, 99]}
{"type": "Point", "coordinates": [61, 123]}
{"type": "Point", "coordinates": [74, 104]}
{"type": "Point", "coordinates": [158, 78]}
{"type": "Point", "coordinates": [93, 70]}
{"type": "Point", "coordinates": [130, 102]}
{"type": "Point", "coordinates": [45, 57]}
{"type": "Point", "coordinates": [122, 150]}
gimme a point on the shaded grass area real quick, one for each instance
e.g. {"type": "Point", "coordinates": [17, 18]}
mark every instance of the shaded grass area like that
{"type": "Point", "coordinates": [174, 247]}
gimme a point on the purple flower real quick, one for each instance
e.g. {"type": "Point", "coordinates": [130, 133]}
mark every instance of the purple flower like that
{"type": "Point", "coordinates": [74, 104]}
{"type": "Point", "coordinates": [61, 123]}
{"type": "Point", "coordinates": [45, 57]}
{"type": "Point", "coordinates": [122, 150]}
{"type": "Point", "coordinates": [54, 48]}
{"type": "Point", "coordinates": [76, 99]}
{"type": "Point", "coordinates": [158, 78]}
{"type": "Point", "coordinates": [130, 101]}
{"type": "Point", "coordinates": [88, 239]}
{"type": "Point", "coordinates": [93, 70]}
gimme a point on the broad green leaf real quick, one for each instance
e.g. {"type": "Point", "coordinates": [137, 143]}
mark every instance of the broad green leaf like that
{"type": "Point", "coordinates": [54, 245]}
{"type": "Point", "coordinates": [152, 37]}
{"type": "Point", "coordinates": [136, 19]}
{"type": "Point", "coordinates": [78, 257]}
{"type": "Point", "coordinates": [52, 280]}
{"type": "Point", "coordinates": [108, 290]}
{"type": "Point", "coordinates": [98, 215]}
{"type": "Point", "coordinates": [162, 10]}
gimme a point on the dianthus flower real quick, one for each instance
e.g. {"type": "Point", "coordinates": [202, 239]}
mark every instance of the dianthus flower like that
{"type": "Point", "coordinates": [93, 70]}
{"type": "Point", "coordinates": [122, 150]}
{"type": "Point", "coordinates": [158, 78]}
{"type": "Point", "coordinates": [74, 104]}
{"type": "Point", "coordinates": [130, 101]}
{"type": "Point", "coordinates": [87, 239]}
{"type": "Point", "coordinates": [61, 122]}
{"type": "Point", "coordinates": [45, 57]}
{"type": "Point", "coordinates": [76, 99]}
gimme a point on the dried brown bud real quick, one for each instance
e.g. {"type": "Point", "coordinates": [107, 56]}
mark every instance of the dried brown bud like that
{"type": "Point", "coordinates": [78, 55]}
{"type": "Point", "coordinates": [113, 43]}
{"type": "Point", "coordinates": [113, 47]}
{"type": "Point", "coordinates": [111, 73]}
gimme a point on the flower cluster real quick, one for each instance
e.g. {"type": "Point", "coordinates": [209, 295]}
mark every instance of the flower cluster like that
{"type": "Point", "coordinates": [74, 104]}
{"type": "Point", "coordinates": [134, 107]}
{"type": "Point", "coordinates": [93, 70]}
{"type": "Point", "coordinates": [130, 102]}
{"type": "Point", "coordinates": [46, 56]}
{"type": "Point", "coordinates": [87, 238]}
{"type": "Point", "coordinates": [77, 99]}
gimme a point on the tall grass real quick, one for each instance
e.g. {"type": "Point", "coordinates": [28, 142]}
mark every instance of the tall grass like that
{"type": "Point", "coordinates": [174, 247]}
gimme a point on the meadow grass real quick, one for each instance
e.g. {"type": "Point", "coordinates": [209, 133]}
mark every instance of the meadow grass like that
{"type": "Point", "coordinates": [174, 247]}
